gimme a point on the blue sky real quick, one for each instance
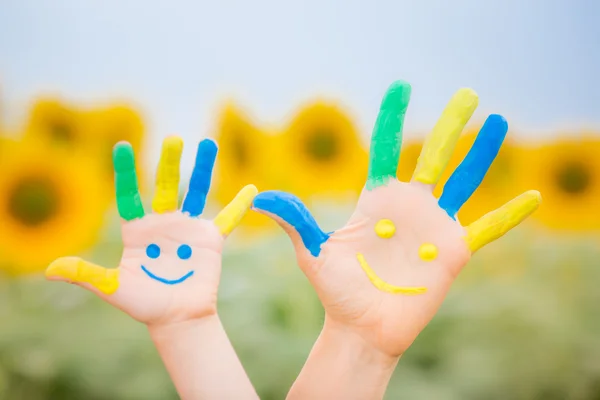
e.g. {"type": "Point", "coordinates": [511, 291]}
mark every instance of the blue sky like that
{"type": "Point", "coordinates": [536, 62]}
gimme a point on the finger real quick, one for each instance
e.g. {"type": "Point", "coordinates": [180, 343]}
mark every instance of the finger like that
{"type": "Point", "coordinates": [386, 139]}
{"type": "Point", "coordinates": [468, 175]}
{"type": "Point", "coordinates": [129, 202]}
{"type": "Point", "coordinates": [167, 176]}
{"type": "Point", "coordinates": [232, 214]}
{"type": "Point", "coordinates": [440, 143]}
{"type": "Point", "coordinates": [293, 216]}
{"type": "Point", "coordinates": [200, 182]}
{"type": "Point", "coordinates": [80, 272]}
{"type": "Point", "coordinates": [496, 223]}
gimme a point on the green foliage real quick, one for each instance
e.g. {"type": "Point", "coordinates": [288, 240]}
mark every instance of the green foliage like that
{"type": "Point", "coordinates": [521, 322]}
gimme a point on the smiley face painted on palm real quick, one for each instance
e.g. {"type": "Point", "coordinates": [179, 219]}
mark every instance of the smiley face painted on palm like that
{"type": "Point", "coordinates": [153, 251]}
{"type": "Point", "coordinates": [401, 227]}
{"type": "Point", "coordinates": [171, 250]}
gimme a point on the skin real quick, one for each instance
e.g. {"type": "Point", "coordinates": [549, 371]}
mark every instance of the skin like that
{"type": "Point", "coordinates": [367, 328]}
{"type": "Point", "coordinates": [182, 318]}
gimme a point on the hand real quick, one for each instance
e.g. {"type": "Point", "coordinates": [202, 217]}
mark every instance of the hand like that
{"type": "Point", "coordinates": [171, 262]}
{"type": "Point", "coordinates": [383, 276]}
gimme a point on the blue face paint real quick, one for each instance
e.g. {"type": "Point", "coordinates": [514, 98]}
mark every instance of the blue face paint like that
{"type": "Point", "coordinates": [153, 251]}
{"type": "Point", "coordinates": [167, 281]}
{"type": "Point", "coordinates": [290, 209]}
{"type": "Point", "coordinates": [184, 252]}
{"type": "Point", "coordinates": [468, 175]}
{"type": "Point", "coordinates": [200, 181]}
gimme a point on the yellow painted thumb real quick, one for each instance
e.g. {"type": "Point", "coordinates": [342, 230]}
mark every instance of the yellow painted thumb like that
{"type": "Point", "coordinates": [75, 270]}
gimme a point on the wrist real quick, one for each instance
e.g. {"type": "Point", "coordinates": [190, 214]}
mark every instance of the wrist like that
{"type": "Point", "coordinates": [167, 330]}
{"type": "Point", "coordinates": [356, 349]}
{"type": "Point", "coordinates": [342, 365]}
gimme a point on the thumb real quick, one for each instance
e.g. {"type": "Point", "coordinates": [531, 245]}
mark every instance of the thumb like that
{"type": "Point", "coordinates": [102, 281]}
{"type": "Point", "coordinates": [295, 219]}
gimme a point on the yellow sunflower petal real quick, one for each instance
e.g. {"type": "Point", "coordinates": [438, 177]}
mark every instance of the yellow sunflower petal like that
{"type": "Point", "coordinates": [567, 172]}
{"type": "Point", "coordinates": [322, 153]}
{"type": "Point", "coordinates": [246, 154]}
{"type": "Point", "coordinates": [55, 122]}
{"type": "Point", "coordinates": [51, 205]}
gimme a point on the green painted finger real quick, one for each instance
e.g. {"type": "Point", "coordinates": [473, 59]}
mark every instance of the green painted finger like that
{"type": "Point", "coordinates": [129, 202]}
{"type": "Point", "coordinates": [387, 135]}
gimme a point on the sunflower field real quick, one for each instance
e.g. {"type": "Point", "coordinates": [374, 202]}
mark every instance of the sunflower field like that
{"type": "Point", "coordinates": [521, 322]}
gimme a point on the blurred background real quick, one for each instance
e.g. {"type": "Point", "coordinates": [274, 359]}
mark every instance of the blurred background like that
{"type": "Point", "coordinates": [290, 90]}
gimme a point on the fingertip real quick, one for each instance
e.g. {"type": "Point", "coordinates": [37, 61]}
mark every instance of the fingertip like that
{"type": "Point", "coordinates": [271, 199]}
{"type": "Point", "coordinates": [535, 196]}
{"type": "Point", "coordinates": [173, 142]}
{"type": "Point", "coordinates": [208, 145]}
{"type": "Point", "coordinates": [467, 96]}
{"type": "Point", "coordinates": [498, 122]}
{"type": "Point", "coordinates": [57, 268]}
{"type": "Point", "coordinates": [251, 190]}
{"type": "Point", "coordinates": [397, 95]}
{"type": "Point", "coordinates": [123, 156]}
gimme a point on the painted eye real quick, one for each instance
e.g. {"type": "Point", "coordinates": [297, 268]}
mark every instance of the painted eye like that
{"type": "Point", "coordinates": [428, 252]}
{"type": "Point", "coordinates": [184, 252]}
{"type": "Point", "coordinates": [385, 229]}
{"type": "Point", "coordinates": [153, 251]}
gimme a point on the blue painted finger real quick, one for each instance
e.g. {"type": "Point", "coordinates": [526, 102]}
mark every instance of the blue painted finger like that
{"type": "Point", "coordinates": [290, 210]}
{"type": "Point", "coordinates": [468, 175]}
{"type": "Point", "coordinates": [200, 182]}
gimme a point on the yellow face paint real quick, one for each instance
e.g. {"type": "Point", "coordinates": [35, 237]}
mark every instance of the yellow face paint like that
{"type": "Point", "coordinates": [385, 229]}
{"type": "Point", "coordinates": [440, 143]}
{"type": "Point", "coordinates": [76, 270]}
{"type": "Point", "coordinates": [496, 223]}
{"type": "Point", "coordinates": [428, 252]}
{"type": "Point", "coordinates": [232, 214]}
{"type": "Point", "coordinates": [383, 286]}
{"type": "Point", "coordinates": [167, 176]}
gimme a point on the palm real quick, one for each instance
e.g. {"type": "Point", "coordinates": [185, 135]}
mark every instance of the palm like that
{"type": "Point", "coordinates": [395, 260]}
{"type": "Point", "coordinates": [171, 262]}
{"type": "Point", "coordinates": [169, 287]}
{"type": "Point", "coordinates": [387, 271]}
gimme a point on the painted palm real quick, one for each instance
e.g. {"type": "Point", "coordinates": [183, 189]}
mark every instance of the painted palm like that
{"type": "Point", "coordinates": [385, 273]}
{"type": "Point", "coordinates": [171, 261]}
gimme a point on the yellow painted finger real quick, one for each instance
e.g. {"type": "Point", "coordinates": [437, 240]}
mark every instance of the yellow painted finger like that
{"type": "Point", "coordinates": [440, 143]}
{"type": "Point", "coordinates": [76, 270]}
{"type": "Point", "coordinates": [496, 223]}
{"type": "Point", "coordinates": [232, 214]}
{"type": "Point", "coordinates": [167, 176]}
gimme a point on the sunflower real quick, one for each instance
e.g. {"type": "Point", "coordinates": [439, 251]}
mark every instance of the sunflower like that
{"type": "Point", "coordinates": [246, 155]}
{"type": "Point", "coordinates": [323, 152]}
{"type": "Point", "coordinates": [50, 206]}
{"type": "Point", "coordinates": [54, 122]}
{"type": "Point", "coordinates": [92, 132]}
{"type": "Point", "coordinates": [107, 126]}
{"type": "Point", "coordinates": [411, 149]}
{"type": "Point", "coordinates": [498, 186]}
{"type": "Point", "coordinates": [567, 172]}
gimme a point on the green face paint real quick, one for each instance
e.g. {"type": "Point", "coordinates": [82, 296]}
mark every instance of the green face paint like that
{"type": "Point", "coordinates": [387, 135]}
{"type": "Point", "coordinates": [129, 202]}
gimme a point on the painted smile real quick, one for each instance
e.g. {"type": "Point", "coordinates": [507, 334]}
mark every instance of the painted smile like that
{"type": "Point", "coordinates": [386, 287]}
{"type": "Point", "coordinates": [167, 281]}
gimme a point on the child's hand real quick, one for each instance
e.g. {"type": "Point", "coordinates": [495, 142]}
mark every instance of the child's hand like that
{"type": "Point", "coordinates": [169, 273]}
{"type": "Point", "coordinates": [171, 260]}
{"type": "Point", "coordinates": [382, 277]}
